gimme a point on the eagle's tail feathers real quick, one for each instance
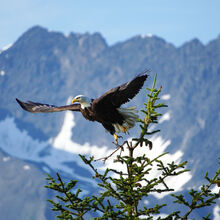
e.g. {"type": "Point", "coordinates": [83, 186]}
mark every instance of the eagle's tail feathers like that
{"type": "Point", "coordinates": [130, 118]}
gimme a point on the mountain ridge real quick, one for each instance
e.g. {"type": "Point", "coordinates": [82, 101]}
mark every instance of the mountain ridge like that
{"type": "Point", "coordinates": [49, 67]}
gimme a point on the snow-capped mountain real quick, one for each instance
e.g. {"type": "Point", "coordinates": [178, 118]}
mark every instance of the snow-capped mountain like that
{"type": "Point", "coordinates": [49, 67]}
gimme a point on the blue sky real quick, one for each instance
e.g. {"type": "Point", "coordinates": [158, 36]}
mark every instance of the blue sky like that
{"type": "Point", "coordinates": [177, 21]}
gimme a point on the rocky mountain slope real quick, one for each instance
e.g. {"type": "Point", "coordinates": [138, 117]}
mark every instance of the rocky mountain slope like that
{"type": "Point", "coordinates": [49, 67]}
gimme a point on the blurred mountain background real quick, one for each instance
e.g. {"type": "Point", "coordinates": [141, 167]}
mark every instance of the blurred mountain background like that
{"type": "Point", "coordinates": [50, 67]}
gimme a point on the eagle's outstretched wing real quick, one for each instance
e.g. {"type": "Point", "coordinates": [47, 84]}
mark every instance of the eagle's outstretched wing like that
{"type": "Point", "coordinates": [121, 94]}
{"type": "Point", "coordinates": [35, 107]}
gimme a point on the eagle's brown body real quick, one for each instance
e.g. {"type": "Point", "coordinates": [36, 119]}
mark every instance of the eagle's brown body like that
{"type": "Point", "coordinates": [107, 117]}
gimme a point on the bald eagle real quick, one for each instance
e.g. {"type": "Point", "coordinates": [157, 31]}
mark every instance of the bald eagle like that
{"type": "Point", "coordinates": [105, 109]}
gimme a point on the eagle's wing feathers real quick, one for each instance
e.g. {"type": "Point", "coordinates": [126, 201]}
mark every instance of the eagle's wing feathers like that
{"type": "Point", "coordinates": [122, 94]}
{"type": "Point", "coordinates": [35, 107]}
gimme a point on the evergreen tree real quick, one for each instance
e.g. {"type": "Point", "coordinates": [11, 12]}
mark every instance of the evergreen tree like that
{"type": "Point", "coordinates": [121, 192]}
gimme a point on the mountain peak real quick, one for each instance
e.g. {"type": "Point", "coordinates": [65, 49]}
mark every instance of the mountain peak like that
{"type": "Point", "coordinates": [34, 32]}
{"type": "Point", "coordinates": [36, 28]}
{"type": "Point", "coordinates": [88, 38]}
{"type": "Point", "coordinates": [194, 42]}
{"type": "Point", "coordinates": [194, 46]}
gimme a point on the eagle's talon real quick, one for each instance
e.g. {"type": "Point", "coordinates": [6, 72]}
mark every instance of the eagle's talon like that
{"type": "Point", "coordinates": [116, 137]}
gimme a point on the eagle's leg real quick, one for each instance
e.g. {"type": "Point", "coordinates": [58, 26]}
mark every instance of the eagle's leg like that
{"type": "Point", "coordinates": [116, 137]}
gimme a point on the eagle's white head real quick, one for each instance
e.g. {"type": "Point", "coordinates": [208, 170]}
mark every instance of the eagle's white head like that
{"type": "Point", "coordinates": [83, 100]}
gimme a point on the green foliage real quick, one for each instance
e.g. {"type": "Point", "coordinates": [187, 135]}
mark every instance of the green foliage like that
{"type": "Point", "coordinates": [200, 198]}
{"type": "Point", "coordinates": [122, 191]}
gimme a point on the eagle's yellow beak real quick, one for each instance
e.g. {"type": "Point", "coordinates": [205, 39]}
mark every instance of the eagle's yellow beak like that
{"type": "Point", "coordinates": [74, 100]}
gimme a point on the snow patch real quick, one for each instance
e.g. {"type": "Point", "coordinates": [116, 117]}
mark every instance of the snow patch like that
{"type": "Point", "coordinates": [19, 144]}
{"type": "Point", "coordinates": [146, 202]}
{"type": "Point", "coordinates": [143, 36]}
{"type": "Point", "coordinates": [6, 48]}
{"type": "Point", "coordinates": [215, 189]}
{"type": "Point", "coordinates": [2, 72]}
{"type": "Point", "coordinates": [26, 167]}
{"type": "Point", "coordinates": [5, 159]}
{"type": "Point", "coordinates": [165, 117]}
{"type": "Point", "coordinates": [216, 212]}
{"type": "Point", "coordinates": [166, 97]}
{"type": "Point", "coordinates": [63, 140]}
{"type": "Point", "coordinates": [160, 216]}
